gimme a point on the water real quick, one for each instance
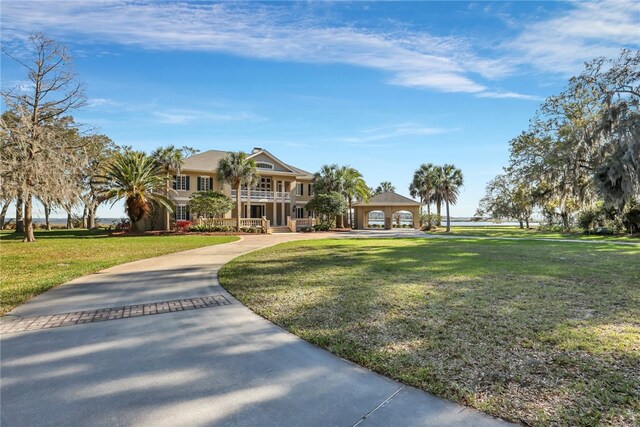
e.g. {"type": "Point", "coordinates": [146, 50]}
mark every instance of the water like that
{"type": "Point", "coordinates": [458, 223]}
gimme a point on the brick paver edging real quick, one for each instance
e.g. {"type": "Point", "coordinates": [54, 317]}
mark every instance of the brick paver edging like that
{"type": "Point", "coordinates": [22, 324]}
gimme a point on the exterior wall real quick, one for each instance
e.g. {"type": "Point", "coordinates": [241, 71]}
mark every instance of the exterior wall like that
{"type": "Point", "coordinates": [276, 166]}
{"type": "Point", "coordinates": [275, 210]}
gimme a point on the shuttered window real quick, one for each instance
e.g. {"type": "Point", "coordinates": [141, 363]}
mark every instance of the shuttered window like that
{"type": "Point", "coordinates": [181, 183]}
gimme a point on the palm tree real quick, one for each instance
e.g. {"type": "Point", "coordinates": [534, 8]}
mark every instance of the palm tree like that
{"type": "Point", "coordinates": [237, 169]}
{"type": "Point", "coordinates": [170, 159]}
{"type": "Point", "coordinates": [385, 187]}
{"type": "Point", "coordinates": [354, 187]}
{"type": "Point", "coordinates": [139, 180]}
{"type": "Point", "coordinates": [328, 179]}
{"type": "Point", "coordinates": [422, 186]}
{"type": "Point", "coordinates": [447, 183]}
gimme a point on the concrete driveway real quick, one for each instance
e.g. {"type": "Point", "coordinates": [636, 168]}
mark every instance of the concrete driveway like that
{"type": "Point", "coordinates": [203, 359]}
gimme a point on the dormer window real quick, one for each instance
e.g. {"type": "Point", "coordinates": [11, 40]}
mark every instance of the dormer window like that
{"type": "Point", "coordinates": [264, 165]}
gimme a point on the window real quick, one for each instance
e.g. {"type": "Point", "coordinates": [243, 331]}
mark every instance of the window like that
{"type": "Point", "coordinates": [264, 184]}
{"type": "Point", "coordinates": [204, 183]}
{"type": "Point", "coordinates": [310, 189]}
{"type": "Point", "coordinates": [264, 165]}
{"type": "Point", "coordinates": [300, 190]}
{"type": "Point", "coordinates": [299, 212]}
{"type": "Point", "coordinates": [181, 183]}
{"type": "Point", "coordinates": [181, 213]}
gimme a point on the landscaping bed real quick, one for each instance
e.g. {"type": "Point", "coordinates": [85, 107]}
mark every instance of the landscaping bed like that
{"type": "Point", "coordinates": [543, 333]}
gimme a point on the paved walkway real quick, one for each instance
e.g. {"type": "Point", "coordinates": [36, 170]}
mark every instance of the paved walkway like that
{"type": "Point", "coordinates": [203, 363]}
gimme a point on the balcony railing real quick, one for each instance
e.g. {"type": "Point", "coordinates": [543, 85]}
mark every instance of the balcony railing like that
{"type": "Point", "coordinates": [262, 195]}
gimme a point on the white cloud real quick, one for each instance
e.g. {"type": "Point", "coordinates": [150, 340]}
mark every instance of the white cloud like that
{"type": "Point", "coordinates": [258, 31]}
{"type": "Point", "coordinates": [509, 95]}
{"type": "Point", "coordinates": [101, 102]}
{"type": "Point", "coordinates": [182, 117]}
{"type": "Point", "coordinates": [284, 33]}
{"type": "Point", "coordinates": [391, 132]}
{"type": "Point", "coordinates": [563, 43]}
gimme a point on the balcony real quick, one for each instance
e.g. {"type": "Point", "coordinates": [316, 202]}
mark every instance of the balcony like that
{"type": "Point", "coordinates": [262, 196]}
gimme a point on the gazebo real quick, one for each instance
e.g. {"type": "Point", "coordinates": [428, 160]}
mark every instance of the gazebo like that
{"type": "Point", "coordinates": [388, 203]}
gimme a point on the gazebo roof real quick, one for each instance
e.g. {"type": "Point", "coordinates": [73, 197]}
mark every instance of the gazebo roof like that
{"type": "Point", "coordinates": [389, 198]}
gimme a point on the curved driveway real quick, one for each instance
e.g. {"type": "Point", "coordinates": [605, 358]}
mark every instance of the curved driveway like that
{"type": "Point", "coordinates": [215, 365]}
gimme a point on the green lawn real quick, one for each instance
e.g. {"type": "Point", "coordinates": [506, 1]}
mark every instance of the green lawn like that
{"type": "Point", "coordinates": [28, 269]}
{"type": "Point", "coordinates": [545, 333]}
{"type": "Point", "coordinates": [532, 233]}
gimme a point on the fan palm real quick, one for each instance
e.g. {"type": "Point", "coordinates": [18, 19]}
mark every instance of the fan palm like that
{"type": "Point", "coordinates": [237, 169]}
{"type": "Point", "coordinates": [447, 183]}
{"type": "Point", "coordinates": [328, 180]}
{"type": "Point", "coordinates": [139, 180]}
{"type": "Point", "coordinates": [422, 186]}
{"type": "Point", "coordinates": [170, 159]}
{"type": "Point", "coordinates": [354, 187]}
{"type": "Point", "coordinates": [385, 187]}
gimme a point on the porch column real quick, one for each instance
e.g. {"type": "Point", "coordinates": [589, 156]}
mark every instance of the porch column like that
{"type": "Point", "coordinates": [275, 211]}
{"type": "Point", "coordinates": [283, 202]}
{"type": "Point", "coordinates": [248, 201]}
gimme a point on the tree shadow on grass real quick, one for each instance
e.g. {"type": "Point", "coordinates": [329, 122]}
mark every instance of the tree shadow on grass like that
{"type": "Point", "coordinates": [498, 323]}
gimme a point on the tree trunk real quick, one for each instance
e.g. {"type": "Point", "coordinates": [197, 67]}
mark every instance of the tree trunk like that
{"type": "Point", "coordinates": [429, 215]}
{"type": "Point", "coordinates": [565, 220]}
{"type": "Point", "coordinates": [85, 213]}
{"type": "Point", "coordinates": [47, 214]}
{"type": "Point", "coordinates": [69, 221]}
{"type": "Point", "coordinates": [448, 218]}
{"type": "Point", "coordinates": [438, 210]}
{"type": "Point", "coordinates": [3, 213]}
{"type": "Point", "coordinates": [28, 219]}
{"type": "Point", "coordinates": [238, 206]}
{"type": "Point", "coordinates": [138, 226]}
{"type": "Point", "coordinates": [521, 224]}
{"type": "Point", "coordinates": [526, 220]}
{"type": "Point", "coordinates": [350, 212]}
{"type": "Point", "coordinates": [20, 214]}
{"type": "Point", "coordinates": [91, 216]}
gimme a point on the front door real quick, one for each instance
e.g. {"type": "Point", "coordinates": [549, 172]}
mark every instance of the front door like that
{"type": "Point", "coordinates": [257, 211]}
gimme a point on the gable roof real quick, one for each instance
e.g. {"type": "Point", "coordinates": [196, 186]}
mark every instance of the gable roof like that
{"type": "Point", "coordinates": [208, 161]}
{"type": "Point", "coordinates": [389, 198]}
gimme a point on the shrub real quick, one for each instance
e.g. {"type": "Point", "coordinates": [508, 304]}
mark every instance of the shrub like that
{"type": "Point", "coordinates": [587, 218]}
{"type": "Point", "coordinates": [307, 229]}
{"type": "Point", "coordinates": [323, 226]}
{"type": "Point", "coordinates": [254, 230]}
{"type": "Point", "coordinates": [198, 228]}
{"type": "Point", "coordinates": [631, 220]}
{"type": "Point", "coordinates": [430, 219]}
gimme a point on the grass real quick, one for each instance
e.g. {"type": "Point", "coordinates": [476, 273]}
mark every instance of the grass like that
{"type": "Point", "coordinates": [543, 333]}
{"type": "Point", "coordinates": [58, 256]}
{"type": "Point", "coordinates": [532, 233]}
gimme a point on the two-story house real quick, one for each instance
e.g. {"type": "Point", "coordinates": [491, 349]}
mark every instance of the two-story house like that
{"type": "Point", "coordinates": [282, 190]}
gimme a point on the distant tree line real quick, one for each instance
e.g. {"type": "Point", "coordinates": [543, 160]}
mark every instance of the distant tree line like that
{"type": "Point", "coordinates": [579, 160]}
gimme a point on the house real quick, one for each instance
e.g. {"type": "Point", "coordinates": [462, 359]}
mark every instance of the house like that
{"type": "Point", "coordinates": [282, 190]}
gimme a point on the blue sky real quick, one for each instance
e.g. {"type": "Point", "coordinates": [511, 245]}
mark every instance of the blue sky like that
{"type": "Point", "coordinates": [382, 87]}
